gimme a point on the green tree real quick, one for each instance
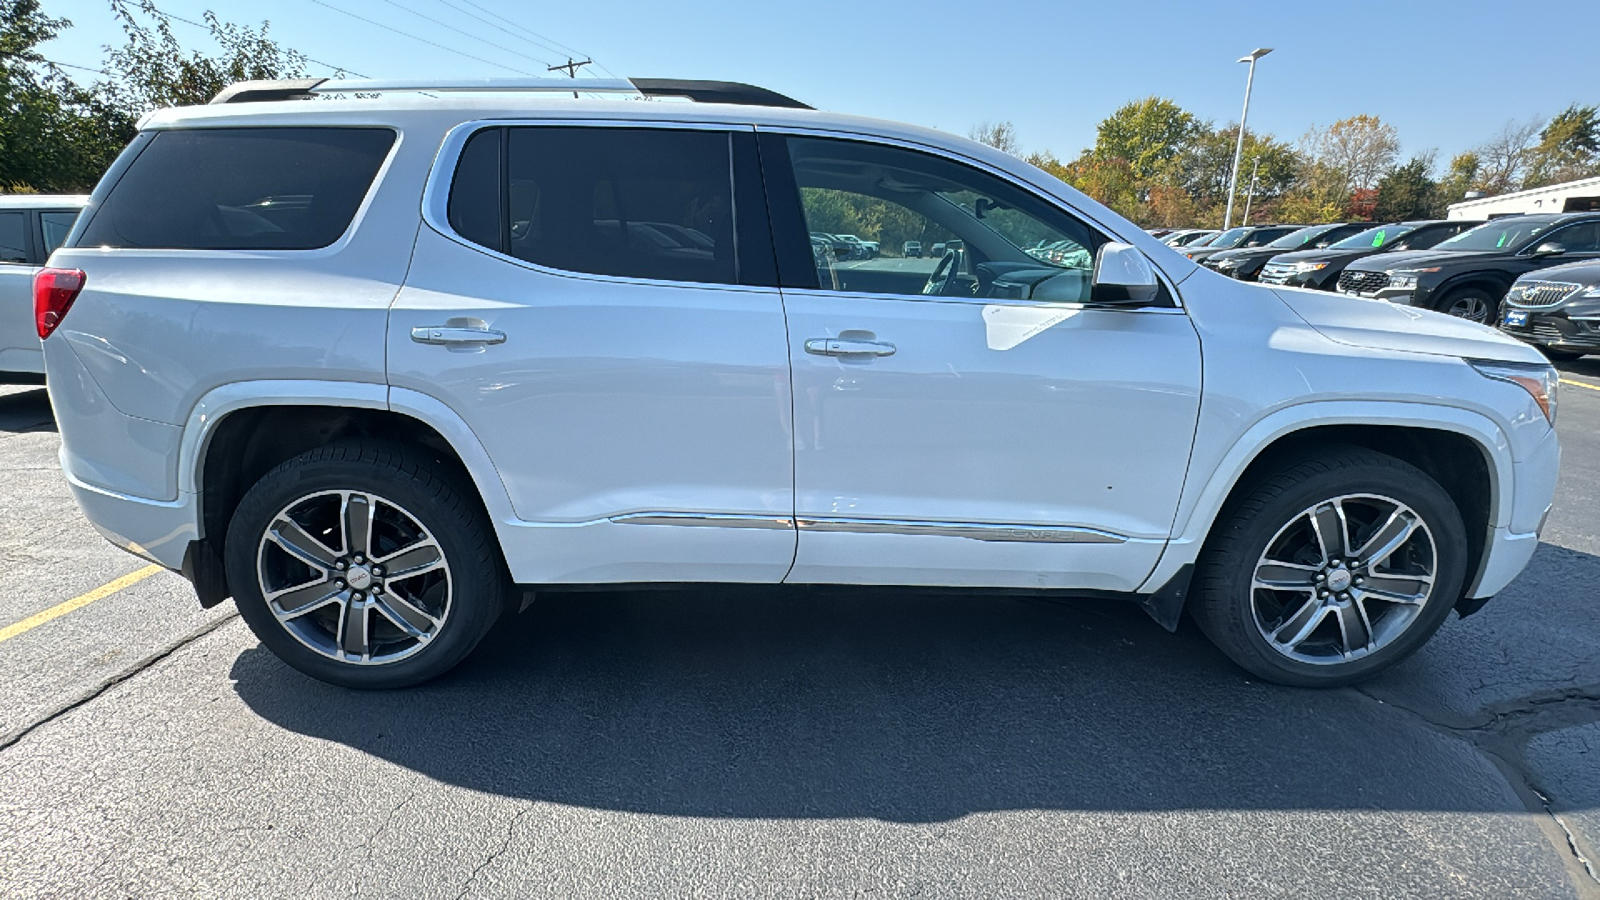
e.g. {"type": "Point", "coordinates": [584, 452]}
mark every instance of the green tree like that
{"type": "Point", "coordinates": [1148, 134]}
{"type": "Point", "coordinates": [1461, 177]}
{"type": "Point", "coordinates": [1568, 148]}
{"type": "Point", "coordinates": [1408, 192]}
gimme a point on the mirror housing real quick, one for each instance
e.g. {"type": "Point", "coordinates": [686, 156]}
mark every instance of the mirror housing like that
{"type": "Point", "coordinates": [1122, 277]}
{"type": "Point", "coordinates": [1549, 248]}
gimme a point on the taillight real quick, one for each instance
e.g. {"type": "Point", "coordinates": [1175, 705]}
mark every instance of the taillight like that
{"type": "Point", "coordinates": [53, 293]}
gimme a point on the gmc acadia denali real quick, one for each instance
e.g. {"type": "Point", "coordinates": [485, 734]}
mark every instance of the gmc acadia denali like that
{"type": "Point", "coordinates": [372, 362]}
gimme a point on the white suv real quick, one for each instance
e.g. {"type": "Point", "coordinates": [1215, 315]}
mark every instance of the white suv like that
{"type": "Point", "coordinates": [366, 363]}
{"type": "Point", "coordinates": [31, 227]}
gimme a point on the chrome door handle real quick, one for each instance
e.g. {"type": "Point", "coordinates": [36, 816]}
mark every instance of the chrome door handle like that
{"type": "Point", "coordinates": [453, 334]}
{"type": "Point", "coordinates": [846, 347]}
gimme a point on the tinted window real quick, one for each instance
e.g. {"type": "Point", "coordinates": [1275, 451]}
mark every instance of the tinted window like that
{"type": "Point", "coordinates": [241, 189]}
{"type": "Point", "coordinates": [1511, 233]}
{"type": "Point", "coordinates": [1583, 238]}
{"type": "Point", "coordinates": [13, 237]}
{"type": "Point", "coordinates": [983, 237]}
{"type": "Point", "coordinates": [629, 202]}
{"type": "Point", "coordinates": [56, 226]}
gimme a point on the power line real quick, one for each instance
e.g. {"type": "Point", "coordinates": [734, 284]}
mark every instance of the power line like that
{"type": "Point", "coordinates": [558, 48]}
{"type": "Point", "coordinates": [501, 28]}
{"type": "Point", "coordinates": [542, 62]}
{"type": "Point", "coordinates": [422, 40]}
{"type": "Point", "coordinates": [207, 28]}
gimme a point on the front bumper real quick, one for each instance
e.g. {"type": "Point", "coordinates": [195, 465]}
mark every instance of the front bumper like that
{"type": "Point", "coordinates": [1554, 329]}
{"type": "Point", "coordinates": [1510, 546]}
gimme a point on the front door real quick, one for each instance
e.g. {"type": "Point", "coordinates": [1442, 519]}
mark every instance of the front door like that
{"type": "Point", "coordinates": [965, 418]}
{"type": "Point", "coordinates": [599, 305]}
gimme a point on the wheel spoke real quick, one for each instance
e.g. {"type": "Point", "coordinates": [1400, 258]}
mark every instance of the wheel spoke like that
{"type": "Point", "coordinates": [1354, 627]}
{"type": "Point", "coordinates": [297, 542]}
{"type": "Point", "coordinates": [1300, 625]}
{"type": "Point", "coordinates": [1407, 589]}
{"type": "Point", "coordinates": [353, 635]}
{"type": "Point", "coordinates": [292, 603]}
{"type": "Point", "coordinates": [414, 560]}
{"type": "Point", "coordinates": [1391, 537]}
{"type": "Point", "coordinates": [357, 511]}
{"type": "Point", "coordinates": [406, 616]}
{"type": "Point", "coordinates": [1279, 576]}
{"type": "Point", "coordinates": [1327, 521]}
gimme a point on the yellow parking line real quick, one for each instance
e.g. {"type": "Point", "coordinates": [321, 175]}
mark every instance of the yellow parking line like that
{"type": "Point", "coordinates": [1591, 387]}
{"type": "Point", "coordinates": [61, 609]}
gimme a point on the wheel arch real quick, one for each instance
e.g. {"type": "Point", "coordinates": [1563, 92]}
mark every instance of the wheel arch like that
{"type": "Point", "coordinates": [1496, 283]}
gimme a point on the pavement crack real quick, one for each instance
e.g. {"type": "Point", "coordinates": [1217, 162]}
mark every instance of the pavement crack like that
{"type": "Point", "coordinates": [19, 733]}
{"type": "Point", "coordinates": [505, 844]}
{"type": "Point", "coordinates": [1572, 839]}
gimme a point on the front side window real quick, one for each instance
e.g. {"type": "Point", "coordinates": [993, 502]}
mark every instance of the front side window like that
{"type": "Point", "coordinates": [56, 226]}
{"type": "Point", "coordinates": [649, 203]}
{"type": "Point", "coordinates": [241, 189]}
{"type": "Point", "coordinates": [13, 237]}
{"type": "Point", "coordinates": [942, 227]}
{"type": "Point", "coordinates": [1584, 238]}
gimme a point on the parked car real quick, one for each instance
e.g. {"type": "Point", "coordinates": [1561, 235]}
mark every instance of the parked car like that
{"type": "Point", "coordinates": [1467, 275]}
{"type": "Point", "coordinates": [1189, 237]}
{"type": "Point", "coordinates": [1246, 263]}
{"type": "Point", "coordinates": [366, 419]}
{"type": "Point", "coordinates": [842, 248]}
{"type": "Point", "coordinates": [867, 249]}
{"type": "Point", "coordinates": [1319, 269]}
{"type": "Point", "coordinates": [1233, 238]}
{"type": "Point", "coordinates": [31, 227]}
{"type": "Point", "coordinates": [1556, 309]}
{"type": "Point", "coordinates": [912, 249]}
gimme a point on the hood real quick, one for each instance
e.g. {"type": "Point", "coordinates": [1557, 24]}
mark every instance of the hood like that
{"type": "Point", "coordinates": [1416, 259]}
{"type": "Point", "coordinates": [1382, 325]}
{"type": "Point", "coordinates": [1326, 253]}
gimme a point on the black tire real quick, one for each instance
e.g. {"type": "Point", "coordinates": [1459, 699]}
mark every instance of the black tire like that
{"type": "Point", "coordinates": [1229, 608]}
{"type": "Point", "coordinates": [407, 488]}
{"type": "Point", "coordinates": [1560, 355]}
{"type": "Point", "coordinates": [1457, 301]}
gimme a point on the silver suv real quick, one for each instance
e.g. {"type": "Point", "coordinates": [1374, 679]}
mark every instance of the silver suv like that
{"type": "Point", "coordinates": [364, 358]}
{"type": "Point", "coordinates": [32, 226]}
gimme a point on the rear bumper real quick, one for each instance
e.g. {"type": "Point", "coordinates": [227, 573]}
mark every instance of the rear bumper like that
{"type": "Point", "coordinates": [157, 530]}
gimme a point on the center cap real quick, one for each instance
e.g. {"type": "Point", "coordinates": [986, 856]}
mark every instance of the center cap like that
{"type": "Point", "coordinates": [360, 577]}
{"type": "Point", "coordinates": [1338, 579]}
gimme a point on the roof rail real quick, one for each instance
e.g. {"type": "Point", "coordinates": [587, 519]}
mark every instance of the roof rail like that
{"type": "Point", "coordinates": [698, 91]}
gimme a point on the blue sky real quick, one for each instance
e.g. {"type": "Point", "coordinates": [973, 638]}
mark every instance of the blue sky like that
{"type": "Point", "coordinates": [1446, 73]}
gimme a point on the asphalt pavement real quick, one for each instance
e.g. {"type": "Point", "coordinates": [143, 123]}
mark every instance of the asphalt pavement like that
{"type": "Point", "coordinates": [751, 743]}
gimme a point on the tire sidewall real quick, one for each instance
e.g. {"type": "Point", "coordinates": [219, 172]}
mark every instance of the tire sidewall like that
{"type": "Point", "coordinates": [476, 589]}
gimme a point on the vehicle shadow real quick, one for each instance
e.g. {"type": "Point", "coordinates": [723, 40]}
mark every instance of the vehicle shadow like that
{"type": "Point", "coordinates": [1588, 366]}
{"type": "Point", "coordinates": [824, 703]}
{"type": "Point", "coordinates": [25, 408]}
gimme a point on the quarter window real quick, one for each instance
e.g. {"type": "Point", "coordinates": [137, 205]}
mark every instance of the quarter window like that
{"type": "Point", "coordinates": [13, 237]}
{"type": "Point", "coordinates": [56, 226]}
{"type": "Point", "coordinates": [625, 202]}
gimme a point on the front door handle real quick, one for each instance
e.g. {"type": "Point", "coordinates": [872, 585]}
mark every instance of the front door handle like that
{"type": "Point", "coordinates": [455, 334]}
{"type": "Point", "coordinates": [847, 347]}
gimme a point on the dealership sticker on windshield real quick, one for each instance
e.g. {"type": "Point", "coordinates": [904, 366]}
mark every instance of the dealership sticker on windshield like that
{"type": "Point", "coordinates": [1377, 239]}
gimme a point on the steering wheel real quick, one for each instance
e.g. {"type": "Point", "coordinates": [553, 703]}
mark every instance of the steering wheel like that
{"type": "Point", "coordinates": [943, 281]}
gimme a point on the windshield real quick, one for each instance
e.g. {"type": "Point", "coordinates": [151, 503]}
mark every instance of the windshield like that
{"type": "Point", "coordinates": [1505, 234]}
{"type": "Point", "coordinates": [1295, 239]}
{"type": "Point", "coordinates": [1373, 238]}
{"type": "Point", "coordinates": [1229, 238]}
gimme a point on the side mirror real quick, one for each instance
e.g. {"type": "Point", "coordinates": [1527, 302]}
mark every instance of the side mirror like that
{"type": "Point", "coordinates": [1122, 277]}
{"type": "Point", "coordinates": [1549, 248]}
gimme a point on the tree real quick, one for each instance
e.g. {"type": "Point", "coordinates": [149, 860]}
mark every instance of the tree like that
{"type": "Point", "coordinates": [1356, 151]}
{"type": "Point", "coordinates": [1408, 192]}
{"type": "Point", "coordinates": [1503, 159]}
{"type": "Point", "coordinates": [1000, 135]}
{"type": "Point", "coordinates": [1462, 177]}
{"type": "Point", "coordinates": [1149, 134]}
{"type": "Point", "coordinates": [1568, 148]}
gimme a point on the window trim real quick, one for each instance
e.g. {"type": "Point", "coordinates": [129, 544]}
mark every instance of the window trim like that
{"type": "Point", "coordinates": [1170, 286]}
{"type": "Point", "coordinates": [142, 142]}
{"type": "Point", "coordinates": [43, 252]}
{"type": "Point", "coordinates": [29, 252]}
{"type": "Point", "coordinates": [436, 193]}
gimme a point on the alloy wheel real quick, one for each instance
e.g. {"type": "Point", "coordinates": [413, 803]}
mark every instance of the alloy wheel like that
{"type": "Point", "coordinates": [1343, 579]}
{"type": "Point", "coordinates": [354, 577]}
{"type": "Point", "coordinates": [1472, 307]}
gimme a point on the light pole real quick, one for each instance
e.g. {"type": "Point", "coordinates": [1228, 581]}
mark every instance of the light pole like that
{"type": "Point", "coordinates": [1238, 149]}
{"type": "Point", "coordinates": [1255, 169]}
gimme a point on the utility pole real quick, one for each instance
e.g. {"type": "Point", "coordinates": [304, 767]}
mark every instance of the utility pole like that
{"type": "Point", "coordinates": [1254, 168]}
{"type": "Point", "coordinates": [571, 67]}
{"type": "Point", "coordinates": [1238, 150]}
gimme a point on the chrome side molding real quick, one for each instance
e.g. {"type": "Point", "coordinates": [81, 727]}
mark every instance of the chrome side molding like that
{"type": "Point", "coordinates": [976, 531]}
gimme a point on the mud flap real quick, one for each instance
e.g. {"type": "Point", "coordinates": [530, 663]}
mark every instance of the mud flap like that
{"type": "Point", "coordinates": [1166, 604]}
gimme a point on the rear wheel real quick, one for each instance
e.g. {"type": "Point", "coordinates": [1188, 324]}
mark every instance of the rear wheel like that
{"type": "Point", "coordinates": [363, 566]}
{"type": "Point", "coordinates": [1331, 569]}
{"type": "Point", "coordinates": [1470, 303]}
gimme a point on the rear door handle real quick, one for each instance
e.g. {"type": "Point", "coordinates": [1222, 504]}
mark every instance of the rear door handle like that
{"type": "Point", "coordinates": [847, 347]}
{"type": "Point", "coordinates": [454, 334]}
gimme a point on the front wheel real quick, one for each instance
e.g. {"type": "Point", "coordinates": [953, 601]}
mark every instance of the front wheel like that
{"type": "Point", "coordinates": [1331, 569]}
{"type": "Point", "coordinates": [363, 566]}
{"type": "Point", "coordinates": [1472, 304]}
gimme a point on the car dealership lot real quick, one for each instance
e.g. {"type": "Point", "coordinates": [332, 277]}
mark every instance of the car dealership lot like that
{"type": "Point", "coordinates": [745, 742]}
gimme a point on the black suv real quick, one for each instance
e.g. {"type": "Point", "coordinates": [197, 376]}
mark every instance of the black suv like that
{"type": "Point", "coordinates": [1246, 263]}
{"type": "Point", "coordinates": [1319, 269]}
{"type": "Point", "coordinates": [1240, 237]}
{"type": "Point", "coordinates": [1468, 274]}
{"type": "Point", "coordinates": [1557, 310]}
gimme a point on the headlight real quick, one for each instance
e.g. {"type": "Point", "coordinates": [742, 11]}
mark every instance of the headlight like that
{"type": "Point", "coordinates": [1406, 279]}
{"type": "Point", "coordinates": [1309, 266]}
{"type": "Point", "coordinates": [1227, 263]}
{"type": "Point", "coordinates": [1591, 292]}
{"type": "Point", "coordinates": [1539, 381]}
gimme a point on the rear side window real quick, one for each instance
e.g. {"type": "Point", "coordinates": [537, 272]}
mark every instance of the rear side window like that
{"type": "Point", "coordinates": [13, 237]}
{"type": "Point", "coordinates": [628, 202]}
{"type": "Point", "coordinates": [241, 189]}
{"type": "Point", "coordinates": [56, 226]}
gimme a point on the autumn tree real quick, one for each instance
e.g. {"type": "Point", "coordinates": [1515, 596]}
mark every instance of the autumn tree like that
{"type": "Point", "coordinates": [1000, 135]}
{"type": "Point", "coordinates": [1355, 152]}
{"type": "Point", "coordinates": [1149, 134]}
{"type": "Point", "coordinates": [1503, 159]}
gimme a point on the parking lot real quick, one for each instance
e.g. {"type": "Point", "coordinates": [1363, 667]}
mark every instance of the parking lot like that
{"type": "Point", "coordinates": [802, 743]}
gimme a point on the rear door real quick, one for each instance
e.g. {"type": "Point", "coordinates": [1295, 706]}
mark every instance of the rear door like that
{"type": "Point", "coordinates": [19, 342]}
{"type": "Point", "coordinates": [598, 302]}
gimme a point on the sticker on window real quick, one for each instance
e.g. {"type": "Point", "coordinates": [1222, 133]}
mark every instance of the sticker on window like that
{"type": "Point", "coordinates": [1377, 239]}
